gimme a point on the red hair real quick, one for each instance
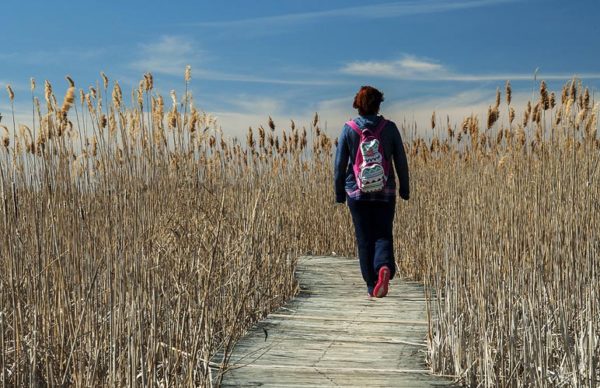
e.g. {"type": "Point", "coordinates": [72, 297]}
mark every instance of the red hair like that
{"type": "Point", "coordinates": [367, 101]}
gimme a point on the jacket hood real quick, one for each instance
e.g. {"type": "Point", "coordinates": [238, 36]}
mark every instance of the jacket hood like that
{"type": "Point", "coordinates": [367, 121]}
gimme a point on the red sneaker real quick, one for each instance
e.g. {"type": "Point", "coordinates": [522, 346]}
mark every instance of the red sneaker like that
{"type": "Point", "coordinates": [381, 288]}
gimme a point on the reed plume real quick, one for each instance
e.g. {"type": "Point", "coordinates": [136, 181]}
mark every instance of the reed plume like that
{"type": "Point", "coordinates": [11, 94]}
{"type": "Point", "coordinates": [148, 82]}
{"type": "Point", "coordinates": [68, 100]}
{"type": "Point", "coordinates": [544, 99]}
{"type": "Point", "coordinates": [498, 98]}
{"type": "Point", "coordinates": [104, 80]}
{"type": "Point", "coordinates": [493, 114]}
{"type": "Point", "coordinates": [526, 114]}
{"type": "Point", "coordinates": [5, 136]}
{"type": "Point", "coordinates": [124, 261]}
{"type": "Point", "coordinates": [271, 124]}
{"type": "Point", "coordinates": [117, 96]}
{"type": "Point", "coordinates": [188, 73]}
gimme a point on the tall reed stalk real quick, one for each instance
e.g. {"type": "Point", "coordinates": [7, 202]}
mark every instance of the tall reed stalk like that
{"type": "Point", "coordinates": [137, 243]}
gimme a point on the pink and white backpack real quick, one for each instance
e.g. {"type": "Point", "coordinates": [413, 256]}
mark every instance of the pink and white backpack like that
{"type": "Point", "coordinates": [371, 168]}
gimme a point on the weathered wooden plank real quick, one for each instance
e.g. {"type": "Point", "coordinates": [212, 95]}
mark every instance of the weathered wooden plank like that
{"type": "Point", "coordinates": [323, 378]}
{"type": "Point", "coordinates": [332, 334]}
{"type": "Point", "coordinates": [338, 319]}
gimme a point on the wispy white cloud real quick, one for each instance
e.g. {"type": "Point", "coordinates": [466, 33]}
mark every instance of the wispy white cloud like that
{"type": "Point", "coordinates": [421, 69]}
{"type": "Point", "coordinates": [252, 111]}
{"type": "Point", "coordinates": [455, 106]}
{"type": "Point", "coordinates": [220, 76]}
{"type": "Point", "coordinates": [169, 55]}
{"type": "Point", "coordinates": [371, 11]}
{"type": "Point", "coordinates": [515, 77]}
{"type": "Point", "coordinates": [408, 67]}
{"type": "Point", "coordinates": [252, 104]}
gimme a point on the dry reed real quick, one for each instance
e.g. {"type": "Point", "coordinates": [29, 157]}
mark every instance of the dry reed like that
{"type": "Point", "coordinates": [137, 243]}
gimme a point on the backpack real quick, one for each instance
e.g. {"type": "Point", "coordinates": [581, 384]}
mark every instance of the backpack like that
{"type": "Point", "coordinates": [370, 166]}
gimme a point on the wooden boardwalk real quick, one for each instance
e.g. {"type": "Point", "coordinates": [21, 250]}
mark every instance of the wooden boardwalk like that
{"type": "Point", "coordinates": [333, 334]}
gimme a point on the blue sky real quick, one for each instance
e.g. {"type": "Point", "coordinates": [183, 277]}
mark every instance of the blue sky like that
{"type": "Point", "coordinates": [290, 58]}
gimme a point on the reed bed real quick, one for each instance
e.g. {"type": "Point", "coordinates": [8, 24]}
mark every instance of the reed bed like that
{"type": "Point", "coordinates": [138, 240]}
{"type": "Point", "coordinates": [510, 245]}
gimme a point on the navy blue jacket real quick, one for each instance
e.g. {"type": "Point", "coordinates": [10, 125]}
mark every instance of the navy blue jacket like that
{"type": "Point", "coordinates": [345, 182]}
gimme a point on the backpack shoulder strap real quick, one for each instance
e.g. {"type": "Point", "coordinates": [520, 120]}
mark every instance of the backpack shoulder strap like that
{"type": "Point", "coordinates": [380, 126]}
{"type": "Point", "coordinates": [354, 126]}
{"type": "Point", "coordinates": [376, 131]}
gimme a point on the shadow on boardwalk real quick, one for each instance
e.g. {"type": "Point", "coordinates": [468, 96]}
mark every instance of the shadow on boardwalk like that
{"type": "Point", "coordinates": [333, 334]}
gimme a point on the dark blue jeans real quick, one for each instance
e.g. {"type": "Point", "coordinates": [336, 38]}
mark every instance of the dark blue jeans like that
{"type": "Point", "coordinates": [373, 222]}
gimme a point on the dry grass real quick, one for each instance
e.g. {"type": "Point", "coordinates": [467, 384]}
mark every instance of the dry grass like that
{"type": "Point", "coordinates": [506, 232]}
{"type": "Point", "coordinates": [138, 241]}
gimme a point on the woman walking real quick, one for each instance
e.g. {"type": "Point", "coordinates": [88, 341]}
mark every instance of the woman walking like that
{"type": "Point", "coordinates": [367, 148]}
